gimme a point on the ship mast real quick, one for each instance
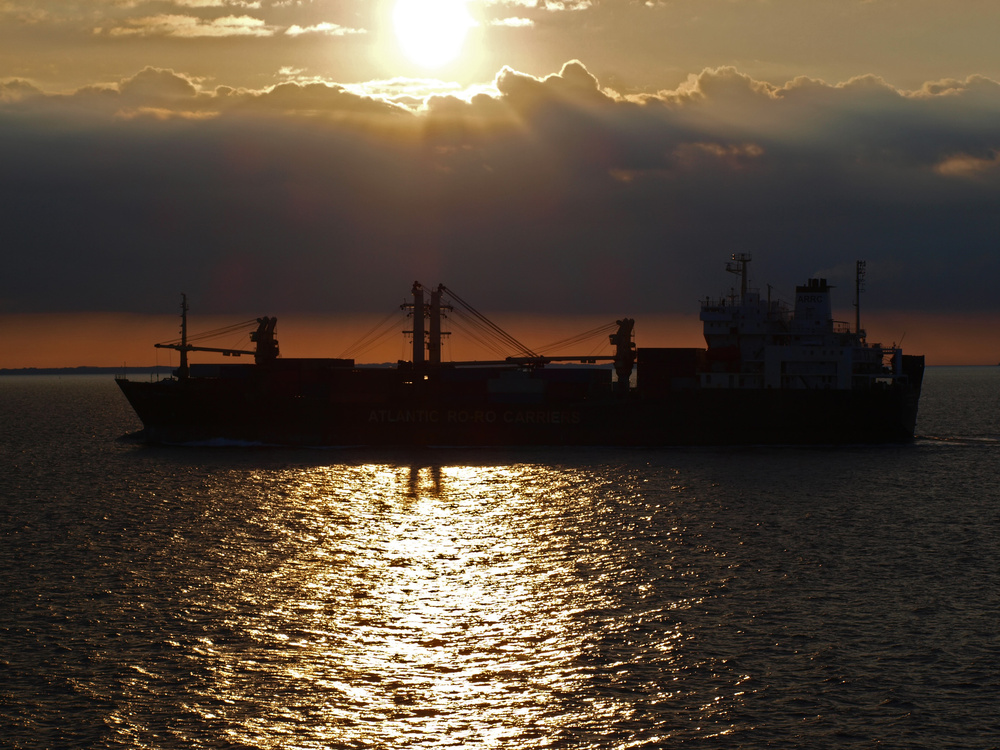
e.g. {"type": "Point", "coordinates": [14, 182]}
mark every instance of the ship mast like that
{"type": "Point", "coordinates": [418, 311]}
{"type": "Point", "coordinates": [859, 286]}
{"type": "Point", "coordinates": [739, 267]}
{"type": "Point", "coordinates": [182, 372]}
{"type": "Point", "coordinates": [435, 333]}
{"type": "Point", "coordinates": [265, 351]}
{"type": "Point", "coordinates": [418, 324]}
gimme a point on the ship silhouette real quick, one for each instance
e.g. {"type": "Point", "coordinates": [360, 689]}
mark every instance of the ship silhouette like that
{"type": "Point", "coordinates": [769, 374]}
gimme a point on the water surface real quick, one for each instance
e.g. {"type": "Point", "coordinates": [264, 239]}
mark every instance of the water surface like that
{"type": "Point", "coordinates": [585, 598]}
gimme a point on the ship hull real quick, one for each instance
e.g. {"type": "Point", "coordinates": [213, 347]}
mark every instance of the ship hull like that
{"type": "Point", "coordinates": [404, 411]}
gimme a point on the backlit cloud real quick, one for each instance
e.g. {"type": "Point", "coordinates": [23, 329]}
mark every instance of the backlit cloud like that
{"type": "Point", "coordinates": [17, 90]}
{"type": "Point", "coordinates": [543, 5]}
{"type": "Point", "coordinates": [190, 27]}
{"type": "Point", "coordinates": [154, 86]}
{"type": "Point", "coordinates": [513, 21]}
{"type": "Point", "coordinates": [562, 5]}
{"type": "Point", "coordinates": [539, 192]}
{"type": "Point", "coordinates": [325, 28]}
{"type": "Point", "coordinates": [247, 4]}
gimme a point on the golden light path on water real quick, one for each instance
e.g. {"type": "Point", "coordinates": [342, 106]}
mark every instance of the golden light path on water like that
{"type": "Point", "coordinates": [405, 606]}
{"type": "Point", "coordinates": [458, 607]}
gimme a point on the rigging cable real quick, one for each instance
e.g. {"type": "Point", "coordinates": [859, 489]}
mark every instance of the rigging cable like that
{"type": "Point", "coordinates": [580, 338]}
{"type": "Point", "coordinates": [372, 337]}
{"type": "Point", "coordinates": [486, 342]}
{"type": "Point", "coordinates": [496, 330]}
{"type": "Point", "coordinates": [234, 328]}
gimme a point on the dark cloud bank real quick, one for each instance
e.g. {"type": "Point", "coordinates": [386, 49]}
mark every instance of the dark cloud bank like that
{"type": "Point", "coordinates": [555, 196]}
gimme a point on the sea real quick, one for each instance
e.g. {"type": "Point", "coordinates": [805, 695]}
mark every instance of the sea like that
{"type": "Point", "coordinates": [757, 597]}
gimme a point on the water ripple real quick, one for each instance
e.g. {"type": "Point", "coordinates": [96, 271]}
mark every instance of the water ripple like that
{"type": "Point", "coordinates": [158, 598]}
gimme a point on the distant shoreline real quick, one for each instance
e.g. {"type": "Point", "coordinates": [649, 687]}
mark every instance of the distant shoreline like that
{"type": "Point", "coordinates": [83, 370]}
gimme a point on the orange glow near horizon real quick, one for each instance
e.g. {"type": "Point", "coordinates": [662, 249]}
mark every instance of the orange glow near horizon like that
{"type": "Point", "coordinates": [118, 339]}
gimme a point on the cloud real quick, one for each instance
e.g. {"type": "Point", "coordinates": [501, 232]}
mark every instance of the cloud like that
{"type": "Point", "coordinates": [173, 25]}
{"type": "Point", "coordinates": [252, 5]}
{"type": "Point", "coordinates": [24, 12]}
{"type": "Point", "coordinates": [573, 81]}
{"type": "Point", "coordinates": [539, 6]}
{"type": "Point", "coordinates": [18, 90]}
{"type": "Point", "coordinates": [324, 29]}
{"type": "Point", "coordinates": [553, 6]}
{"type": "Point", "coordinates": [314, 98]}
{"type": "Point", "coordinates": [548, 193]}
{"type": "Point", "coordinates": [514, 22]}
{"type": "Point", "coordinates": [162, 93]}
{"type": "Point", "coordinates": [156, 85]}
{"type": "Point", "coordinates": [966, 165]}
{"type": "Point", "coordinates": [564, 5]}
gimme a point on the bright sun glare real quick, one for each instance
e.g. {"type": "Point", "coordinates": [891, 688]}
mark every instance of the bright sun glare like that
{"type": "Point", "coordinates": [431, 32]}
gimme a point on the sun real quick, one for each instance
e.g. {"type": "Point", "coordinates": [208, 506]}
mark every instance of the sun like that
{"type": "Point", "coordinates": [431, 32]}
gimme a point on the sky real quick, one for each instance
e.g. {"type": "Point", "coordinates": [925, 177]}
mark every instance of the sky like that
{"type": "Point", "coordinates": [550, 161]}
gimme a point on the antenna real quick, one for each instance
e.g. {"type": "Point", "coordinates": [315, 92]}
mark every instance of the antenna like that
{"type": "Point", "coordinates": [859, 286]}
{"type": "Point", "coordinates": [739, 267]}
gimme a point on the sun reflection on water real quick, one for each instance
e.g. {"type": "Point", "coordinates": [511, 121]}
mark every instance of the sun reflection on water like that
{"type": "Point", "coordinates": [433, 605]}
{"type": "Point", "coordinates": [430, 601]}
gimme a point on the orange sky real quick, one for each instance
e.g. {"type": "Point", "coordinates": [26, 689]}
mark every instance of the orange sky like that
{"type": "Point", "coordinates": [111, 340]}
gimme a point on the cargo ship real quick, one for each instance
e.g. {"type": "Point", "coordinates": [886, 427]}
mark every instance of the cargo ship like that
{"type": "Point", "coordinates": [770, 374]}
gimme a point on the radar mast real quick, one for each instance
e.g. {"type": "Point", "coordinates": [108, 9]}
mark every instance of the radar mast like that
{"type": "Point", "coordinates": [738, 266]}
